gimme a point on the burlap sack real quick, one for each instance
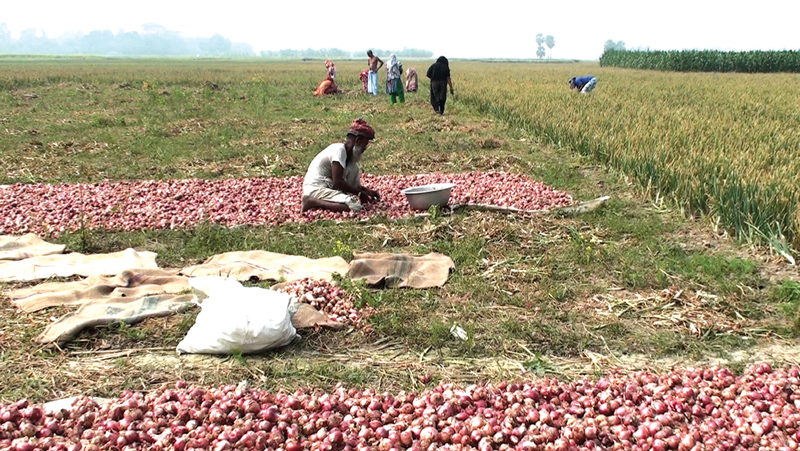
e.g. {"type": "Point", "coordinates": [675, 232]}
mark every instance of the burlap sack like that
{"type": "Point", "coordinates": [107, 311]}
{"type": "Point", "coordinates": [307, 317]}
{"type": "Point", "coordinates": [263, 265]}
{"type": "Point", "coordinates": [401, 270]}
{"type": "Point", "coordinates": [131, 284]}
{"type": "Point", "coordinates": [67, 265]}
{"type": "Point", "coordinates": [26, 246]}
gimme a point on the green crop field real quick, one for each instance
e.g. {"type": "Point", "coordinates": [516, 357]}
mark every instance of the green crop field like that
{"type": "Point", "coordinates": [756, 61]}
{"type": "Point", "coordinates": [723, 145]}
{"type": "Point", "coordinates": [681, 265]}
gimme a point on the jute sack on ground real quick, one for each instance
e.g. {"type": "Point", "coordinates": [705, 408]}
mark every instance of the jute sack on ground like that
{"type": "Point", "coordinates": [26, 246]}
{"type": "Point", "coordinates": [304, 317]}
{"type": "Point", "coordinates": [67, 265]}
{"type": "Point", "coordinates": [401, 270]}
{"type": "Point", "coordinates": [263, 265]}
{"type": "Point", "coordinates": [307, 317]}
{"type": "Point", "coordinates": [107, 311]}
{"type": "Point", "coordinates": [131, 284]}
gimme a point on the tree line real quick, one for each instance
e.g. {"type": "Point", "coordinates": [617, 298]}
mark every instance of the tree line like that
{"type": "Point", "coordinates": [339, 53]}
{"type": "Point", "coordinates": [156, 40]}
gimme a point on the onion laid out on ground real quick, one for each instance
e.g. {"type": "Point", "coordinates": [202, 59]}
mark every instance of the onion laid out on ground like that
{"type": "Point", "coordinates": [329, 299]}
{"type": "Point", "coordinates": [54, 209]}
{"type": "Point", "coordinates": [685, 410]}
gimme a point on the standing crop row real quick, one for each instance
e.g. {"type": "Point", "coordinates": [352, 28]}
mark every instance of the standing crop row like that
{"type": "Point", "coordinates": [704, 60]}
{"type": "Point", "coordinates": [720, 144]}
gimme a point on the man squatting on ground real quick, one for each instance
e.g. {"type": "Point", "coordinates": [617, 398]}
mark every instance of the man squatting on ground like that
{"type": "Point", "coordinates": [333, 180]}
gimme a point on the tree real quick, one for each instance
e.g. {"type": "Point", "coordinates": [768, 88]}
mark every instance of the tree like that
{"type": "Point", "coordinates": [215, 46]}
{"type": "Point", "coordinates": [154, 28]}
{"type": "Point", "coordinates": [550, 42]}
{"type": "Point", "coordinates": [30, 42]}
{"type": "Point", "coordinates": [5, 37]}
{"type": "Point", "coordinates": [540, 49]}
{"type": "Point", "coordinates": [611, 45]}
{"type": "Point", "coordinates": [98, 42]}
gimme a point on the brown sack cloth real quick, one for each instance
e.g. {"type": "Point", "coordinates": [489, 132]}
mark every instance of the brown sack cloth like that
{"type": "Point", "coordinates": [26, 246]}
{"type": "Point", "coordinates": [402, 270]}
{"type": "Point", "coordinates": [107, 311]}
{"type": "Point", "coordinates": [308, 317]}
{"type": "Point", "coordinates": [131, 284]}
{"type": "Point", "coordinates": [66, 265]}
{"type": "Point", "coordinates": [263, 265]}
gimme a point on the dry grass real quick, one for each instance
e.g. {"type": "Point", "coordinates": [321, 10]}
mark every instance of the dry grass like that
{"type": "Point", "coordinates": [320, 362]}
{"type": "Point", "coordinates": [697, 312]}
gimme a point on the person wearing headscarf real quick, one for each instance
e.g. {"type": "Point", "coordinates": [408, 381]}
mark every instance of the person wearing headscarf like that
{"type": "Point", "coordinates": [439, 73]}
{"type": "Point", "coordinates": [331, 69]}
{"type": "Point", "coordinates": [411, 79]}
{"type": "Point", "coordinates": [328, 85]}
{"type": "Point", "coordinates": [364, 77]}
{"type": "Point", "coordinates": [333, 179]}
{"type": "Point", "coordinates": [394, 85]}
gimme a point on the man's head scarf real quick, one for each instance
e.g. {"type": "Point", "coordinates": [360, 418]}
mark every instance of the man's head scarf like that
{"type": "Point", "coordinates": [361, 128]}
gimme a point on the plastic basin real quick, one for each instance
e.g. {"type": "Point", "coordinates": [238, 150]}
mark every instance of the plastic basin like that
{"type": "Point", "coordinates": [425, 196]}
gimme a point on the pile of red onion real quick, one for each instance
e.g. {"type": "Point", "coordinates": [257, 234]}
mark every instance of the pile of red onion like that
{"type": "Point", "coordinates": [53, 209]}
{"type": "Point", "coordinates": [329, 299]}
{"type": "Point", "coordinates": [692, 409]}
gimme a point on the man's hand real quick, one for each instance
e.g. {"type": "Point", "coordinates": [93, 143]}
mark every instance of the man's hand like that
{"type": "Point", "coordinates": [369, 195]}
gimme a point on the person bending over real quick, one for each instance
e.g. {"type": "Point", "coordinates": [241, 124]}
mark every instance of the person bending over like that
{"type": "Point", "coordinates": [584, 84]}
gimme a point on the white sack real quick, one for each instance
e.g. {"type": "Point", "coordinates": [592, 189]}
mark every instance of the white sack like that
{"type": "Point", "coordinates": [236, 319]}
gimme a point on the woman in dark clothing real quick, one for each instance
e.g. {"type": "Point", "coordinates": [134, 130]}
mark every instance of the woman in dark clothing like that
{"type": "Point", "coordinates": [439, 73]}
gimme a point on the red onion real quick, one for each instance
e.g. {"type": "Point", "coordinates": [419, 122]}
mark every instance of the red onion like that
{"type": "Point", "coordinates": [756, 410]}
{"type": "Point", "coordinates": [54, 209]}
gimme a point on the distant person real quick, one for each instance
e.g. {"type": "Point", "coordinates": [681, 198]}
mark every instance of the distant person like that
{"type": "Point", "coordinates": [328, 86]}
{"type": "Point", "coordinates": [364, 77]}
{"type": "Point", "coordinates": [333, 179]}
{"type": "Point", "coordinates": [439, 73]}
{"type": "Point", "coordinates": [331, 69]}
{"type": "Point", "coordinates": [394, 84]}
{"type": "Point", "coordinates": [584, 84]}
{"type": "Point", "coordinates": [411, 80]}
{"type": "Point", "coordinates": [373, 64]}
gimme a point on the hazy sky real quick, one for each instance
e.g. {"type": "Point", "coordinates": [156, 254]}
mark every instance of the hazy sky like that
{"type": "Point", "coordinates": [498, 28]}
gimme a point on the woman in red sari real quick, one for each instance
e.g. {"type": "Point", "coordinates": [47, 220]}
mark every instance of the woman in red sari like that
{"type": "Point", "coordinates": [328, 86]}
